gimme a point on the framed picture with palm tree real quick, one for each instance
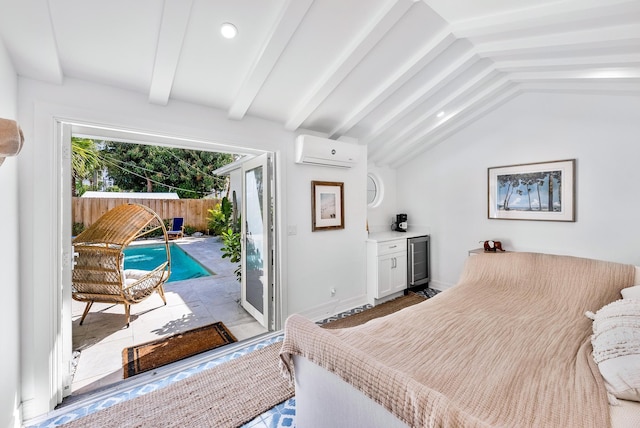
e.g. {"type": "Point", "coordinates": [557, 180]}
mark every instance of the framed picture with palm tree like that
{"type": "Point", "coordinates": [533, 191]}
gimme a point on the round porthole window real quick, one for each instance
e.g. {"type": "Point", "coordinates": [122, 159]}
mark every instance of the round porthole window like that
{"type": "Point", "coordinates": [374, 190]}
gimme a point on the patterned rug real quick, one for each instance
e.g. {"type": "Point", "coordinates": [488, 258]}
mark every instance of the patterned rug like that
{"type": "Point", "coordinates": [380, 310]}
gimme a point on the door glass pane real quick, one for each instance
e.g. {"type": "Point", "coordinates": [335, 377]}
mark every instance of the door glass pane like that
{"type": "Point", "coordinates": [420, 258]}
{"type": "Point", "coordinates": [254, 241]}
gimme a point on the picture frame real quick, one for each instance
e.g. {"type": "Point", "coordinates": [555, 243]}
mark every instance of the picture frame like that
{"type": "Point", "coordinates": [327, 205]}
{"type": "Point", "coordinates": [523, 192]}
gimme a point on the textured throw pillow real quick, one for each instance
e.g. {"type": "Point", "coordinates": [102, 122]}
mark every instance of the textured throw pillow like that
{"type": "Point", "coordinates": [616, 347]}
{"type": "Point", "coordinates": [631, 292]}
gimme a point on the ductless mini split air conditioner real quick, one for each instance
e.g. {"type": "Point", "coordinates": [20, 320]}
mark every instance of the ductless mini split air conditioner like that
{"type": "Point", "coordinates": [311, 150]}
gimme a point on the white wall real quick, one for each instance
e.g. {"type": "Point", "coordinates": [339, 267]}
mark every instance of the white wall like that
{"type": "Point", "coordinates": [9, 315]}
{"type": "Point", "coordinates": [310, 263]}
{"type": "Point", "coordinates": [600, 132]}
{"type": "Point", "coordinates": [320, 260]}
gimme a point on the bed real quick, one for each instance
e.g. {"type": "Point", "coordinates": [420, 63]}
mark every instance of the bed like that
{"type": "Point", "coordinates": [509, 345]}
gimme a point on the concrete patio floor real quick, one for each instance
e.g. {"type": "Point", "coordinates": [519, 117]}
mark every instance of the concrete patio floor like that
{"type": "Point", "coordinates": [190, 304]}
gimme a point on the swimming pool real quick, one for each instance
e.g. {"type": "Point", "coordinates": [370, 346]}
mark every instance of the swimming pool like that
{"type": "Point", "coordinates": [148, 257]}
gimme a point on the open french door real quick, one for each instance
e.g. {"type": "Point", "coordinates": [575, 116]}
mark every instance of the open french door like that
{"type": "Point", "coordinates": [63, 353]}
{"type": "Point", "coordinates": [257, 240]}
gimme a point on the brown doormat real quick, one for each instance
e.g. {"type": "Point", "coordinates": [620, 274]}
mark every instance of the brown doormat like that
{"type": "Point", "coordinates": [380, 310]}
{"type": "Point", "coordinates": [148, 356]}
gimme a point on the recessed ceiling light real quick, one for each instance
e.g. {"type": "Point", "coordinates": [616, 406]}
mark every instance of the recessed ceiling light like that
{"type": "Point", "coordinates": [228, 30]}
{"type": "Point", "coordinates": [439, 115]}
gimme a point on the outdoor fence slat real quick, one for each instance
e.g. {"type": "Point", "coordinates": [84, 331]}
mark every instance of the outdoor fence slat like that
{"type": "Point", "coordinates": [194, 211]}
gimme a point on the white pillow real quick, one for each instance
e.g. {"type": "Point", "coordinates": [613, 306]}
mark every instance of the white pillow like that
{"type": "Point", "coordinates": [631, 292]}
{"type": "Point", "coordinates": [616, 347]}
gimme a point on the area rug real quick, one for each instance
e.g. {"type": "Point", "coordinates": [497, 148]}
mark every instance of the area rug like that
{"type": "Point", "coordinates": [380, 310]}
{"type": "Point", "coordinates": [151, 355]}
{"type": "Point", "coordinates": [226, 396]}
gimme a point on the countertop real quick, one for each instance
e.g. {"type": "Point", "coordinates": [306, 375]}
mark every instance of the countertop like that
{"type": "Point", "coordinates": [391, 235]}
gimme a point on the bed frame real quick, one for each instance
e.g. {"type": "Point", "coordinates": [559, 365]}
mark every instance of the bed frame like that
{"type": "Point", "coordinates": [323, 399]}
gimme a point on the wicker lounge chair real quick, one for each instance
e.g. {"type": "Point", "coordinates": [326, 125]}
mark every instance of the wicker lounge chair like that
{"type": "Point", "coordinates": [99, 274]}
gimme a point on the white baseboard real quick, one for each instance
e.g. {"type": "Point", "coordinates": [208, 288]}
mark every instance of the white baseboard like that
{"type": "Point", "coordinates": [375, 302]}
{"type": "Point", "coordinates": [440, 286]}
{"type": "Point", "coordinates": [329, 309]}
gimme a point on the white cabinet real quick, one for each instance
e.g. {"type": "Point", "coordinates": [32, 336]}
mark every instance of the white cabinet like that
{"type": "Point", "coordinates": [386, 268]}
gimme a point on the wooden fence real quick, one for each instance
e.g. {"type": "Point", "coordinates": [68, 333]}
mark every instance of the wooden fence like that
{"type": "Point", "coordinates": [194, 211]}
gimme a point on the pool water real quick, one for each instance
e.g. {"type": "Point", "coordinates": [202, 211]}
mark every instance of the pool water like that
{"type": "Point", "coordinates": [148, 257]}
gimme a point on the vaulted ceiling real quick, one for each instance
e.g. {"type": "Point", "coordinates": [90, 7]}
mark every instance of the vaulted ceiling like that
{"type": "Point", "coordinates": [398, 75]}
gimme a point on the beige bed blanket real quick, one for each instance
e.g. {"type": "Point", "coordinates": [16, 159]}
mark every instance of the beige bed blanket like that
{"type": "Point", "coordinates": [509, 346]}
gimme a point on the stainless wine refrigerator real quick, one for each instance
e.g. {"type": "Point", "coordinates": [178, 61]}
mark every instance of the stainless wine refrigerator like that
{"type": "Point", "coordinates": [418, 262]}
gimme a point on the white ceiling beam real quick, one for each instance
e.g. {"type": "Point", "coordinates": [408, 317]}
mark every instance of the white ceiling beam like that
{"type": "Point", "coordinates": [372, 33]}
{"type": "Point", "coordinates": [55, 69]}
{"type": "Point", "coordinates": [289, 18]}
{"type": "Point", "coordinates": [480, 98]}
{"type": "Point", "coordinates": [406, 71]}
{"type": "Point", "coordinates": [615, 88]}
{"type": "Point", "coordinates": [621, 89]}
{"type": "Point", "coordinates": [596, 38]}
{"type": "Point", "coordinates": [443, 77]}
{"type": "Point", "coordinates": [431, 113]}
{"type": "Point", "coordinates": [540, 16]}
{"type": "Point", "coordinates": [465, 119]}
{"type": "Point", "coordinates": [597, 74]}
{"type": "Point", "coordinates": [594, 61]}
{"type": "Point", "coordinates": [173, 27]}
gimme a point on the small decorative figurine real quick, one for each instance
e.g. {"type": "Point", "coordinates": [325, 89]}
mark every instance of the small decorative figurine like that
{"type": "Point", "coordinates": [492, 246]}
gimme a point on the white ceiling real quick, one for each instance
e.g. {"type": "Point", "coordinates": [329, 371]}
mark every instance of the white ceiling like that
{"type": "Point", "coordinates": [376, 70]}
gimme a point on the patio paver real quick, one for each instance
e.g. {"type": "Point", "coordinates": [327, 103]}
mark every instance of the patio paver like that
{"type": "Point", "coordinates": [190, 304]}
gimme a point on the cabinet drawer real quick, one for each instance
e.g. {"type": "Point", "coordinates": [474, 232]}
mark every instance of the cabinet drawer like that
{"type": "Point", "coordinates": [395, 246]}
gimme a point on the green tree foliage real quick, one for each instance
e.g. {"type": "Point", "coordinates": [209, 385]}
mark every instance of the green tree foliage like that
{"type": "Point", "coordinates": [144, 168]}
{"type": "Point", "coordinates": [85, 159]}
{"type": "Point", "coordinates": [232, 249]}
{"type": "Point", "coordinates": [224, 224]}
{"type": "Point", "coordinates": [219, 219]}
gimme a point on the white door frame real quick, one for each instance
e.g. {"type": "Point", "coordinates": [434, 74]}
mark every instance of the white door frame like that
{"type": "Point", "coordinates": [61, 352]}
{"type": "Point", "coordinates": [66, 260]}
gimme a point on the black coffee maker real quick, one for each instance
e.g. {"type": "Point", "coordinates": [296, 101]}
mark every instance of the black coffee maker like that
{"type": "Point", "coordinates": [401, 223]}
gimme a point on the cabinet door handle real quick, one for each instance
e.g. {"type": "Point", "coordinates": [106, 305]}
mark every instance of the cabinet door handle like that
{"type": "Point", "coordinates": [393, 263]}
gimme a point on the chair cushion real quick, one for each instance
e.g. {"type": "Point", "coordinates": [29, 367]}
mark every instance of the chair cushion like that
{"type": "Point", "coordinates": [135, 274]}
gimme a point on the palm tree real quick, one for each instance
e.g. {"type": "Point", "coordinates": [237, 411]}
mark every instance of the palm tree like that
{"type": "Point", "coordinates": [85, 160]}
